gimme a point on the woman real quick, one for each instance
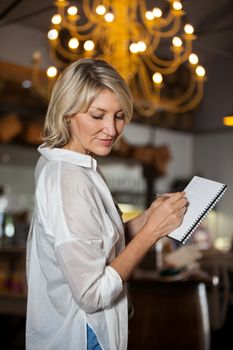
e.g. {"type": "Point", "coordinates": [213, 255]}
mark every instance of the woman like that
{"type": "Point", "coordinates": [77, 262]}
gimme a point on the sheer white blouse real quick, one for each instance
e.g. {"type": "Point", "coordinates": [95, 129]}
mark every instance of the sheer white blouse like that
{"type": "Point", "coordinates": [76, 231]}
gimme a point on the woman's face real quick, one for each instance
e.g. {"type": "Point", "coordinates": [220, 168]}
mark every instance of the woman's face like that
{"type": "Point", "coordinates": [96, 130]}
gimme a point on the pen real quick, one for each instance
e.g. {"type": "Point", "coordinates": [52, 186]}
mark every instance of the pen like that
{"type": "Point", "coordinates": [157, 195]}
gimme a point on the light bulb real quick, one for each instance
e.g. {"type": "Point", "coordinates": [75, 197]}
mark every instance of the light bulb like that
{"type": "Point", "coordinates": [109, 17]}
{"type": "Point", "coordinates": [177, 5]}
{"type": "Point", "coordinates": [100, 10]}
{"type": "Point", "coordinates": [89, 45]}
{"type": "Point", "coordinates": [72, 10]}
{"type": "Point", "coordinates": [157, 78]}
{"type": "Point", "coordinates": [51, 72]}
{"type": "Point", "coordinates": [53, 34]}
{"type": "Point", "coordinates": [200, 71]}
{"type": "Point", "coordinates": [157, 12]}
{"type": "Point", "coordinates": [176, 41]}
{"type": "Point", "coordinates": [73, 43]}
{"type": "Point", "coordinates": [56, 19]}
{"type": "Point", "coordinates": [149, 15]}
{"type": "Point", "coordinates": [141, 45]}
{"type": "Point", "coordinates": [188, 29]}
{"type": "Point", "coordinates": [193, 59]}
{"type": "Point", "coordinates": [133, 48]}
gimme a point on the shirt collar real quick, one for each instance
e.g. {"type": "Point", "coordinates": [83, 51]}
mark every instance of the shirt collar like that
{"type": "Point", "coordinates": [65, 155]}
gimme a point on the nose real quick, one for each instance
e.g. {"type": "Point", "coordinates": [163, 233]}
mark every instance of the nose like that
{"type": "Point", "coordinates": [110, 127]}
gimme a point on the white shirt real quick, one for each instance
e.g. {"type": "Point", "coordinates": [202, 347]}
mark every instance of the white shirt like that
{"type": "Point", "coordinates": [75, 233]}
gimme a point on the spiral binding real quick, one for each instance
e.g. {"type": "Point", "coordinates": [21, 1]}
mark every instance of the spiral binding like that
{"type": "Point", "coordinates": [203, 215]}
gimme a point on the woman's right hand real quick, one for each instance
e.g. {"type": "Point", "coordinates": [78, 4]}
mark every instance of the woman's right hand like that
{"type": "Point", "coordinates": [165, 215]}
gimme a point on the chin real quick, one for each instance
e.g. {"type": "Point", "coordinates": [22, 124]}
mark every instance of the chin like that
{"type": "Point", "coordinates": [102, 151]}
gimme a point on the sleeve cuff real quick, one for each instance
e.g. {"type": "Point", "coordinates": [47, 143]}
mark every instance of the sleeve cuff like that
{"type": "Point", "coordinates": [111, 286]}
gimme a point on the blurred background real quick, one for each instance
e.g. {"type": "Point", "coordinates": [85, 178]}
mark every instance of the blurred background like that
{"type": "Point", "coordinates": [177, 57]}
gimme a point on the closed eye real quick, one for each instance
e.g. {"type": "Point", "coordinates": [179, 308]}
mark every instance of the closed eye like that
{"type": "Point", "coordinates": [120, 116]}
{"type": "Point", "coordinates": [97, 116]}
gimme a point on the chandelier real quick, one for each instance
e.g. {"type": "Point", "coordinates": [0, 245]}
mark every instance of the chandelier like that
{"type": "Point", "coordinates": [148, 42]}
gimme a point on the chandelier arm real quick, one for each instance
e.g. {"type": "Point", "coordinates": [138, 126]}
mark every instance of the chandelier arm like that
{"type": "Point", "coordinates": [171, 32]}
{"type": "Point", "coordinates": [157, 61]}
{"type": "Point", "coordinates": [166, 104]}
{"type": "Point", "coordinates": [145, 108]}
{"type": "Point", "coordinates": [154, 62]}
{"type": "Point", "coordinates": [145, 112]}
{"type": "Point", "coordinates": [76, 27]}
{"type": "Point", "coordinates": [187, 51]}
{"type": "Point", "coordinates": [166, 21]}
{"type": "Point", "coordinates": [154, 45]}
{"type": "Point", "coordinates": [72, 56]}
{"type": "Point", "coordinates": [163, 70]}
{"type": "Point", "coordinates": [169, 66]}
{"type": "Point", "coordinates": [178, 105]}
{"type": "Point", "coordinates": [186, 95]}
{"type": "Point", "coordinates": [145, 82]}
{"type": "Point", "coordinates": [81, 37]}
{"type": "Point", "coordinates": [190, 103]}
{"type": "Point", "coordinates": [53, 56]}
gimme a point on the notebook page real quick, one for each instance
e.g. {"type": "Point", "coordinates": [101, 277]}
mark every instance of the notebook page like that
{"type": "Point", "coordinates": [200, 192]}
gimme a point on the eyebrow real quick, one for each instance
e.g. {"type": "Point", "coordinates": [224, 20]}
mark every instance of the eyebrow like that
{"type": "Point", "coordinates": [104, 110]}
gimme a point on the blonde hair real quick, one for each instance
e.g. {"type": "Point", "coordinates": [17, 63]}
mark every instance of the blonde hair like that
{"type": "Point", "coordinates": [75, 91]}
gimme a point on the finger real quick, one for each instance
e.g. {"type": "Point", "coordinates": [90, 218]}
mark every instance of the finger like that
{"type": "Point", "coordinates": [158, 201]}
{"type": "Point", "coordinates": [181, 203]}
{"type": "Point", "coordinates": [182, 211]}
{"type": "Point", "coordinates": [175, 197]}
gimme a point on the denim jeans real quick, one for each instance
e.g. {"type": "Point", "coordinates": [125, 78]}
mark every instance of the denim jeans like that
{"type": "Point", "coordinates": [92, 341]}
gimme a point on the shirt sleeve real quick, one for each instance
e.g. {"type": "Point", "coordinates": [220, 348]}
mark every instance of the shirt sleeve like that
{"type": "Point", "coordinates": [79, 244]}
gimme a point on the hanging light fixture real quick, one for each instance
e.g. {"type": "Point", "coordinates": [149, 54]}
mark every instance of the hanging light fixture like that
{"type": "Point", "coordinates": [148, 46]}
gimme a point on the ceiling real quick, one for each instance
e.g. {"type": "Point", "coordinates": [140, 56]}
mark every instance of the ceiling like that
{"type": "Point", "coordinates": [213, 23]}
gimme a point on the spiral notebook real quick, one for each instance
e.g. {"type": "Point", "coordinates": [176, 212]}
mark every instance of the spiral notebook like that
{"type": "Point", "coordinates": [202, 195]}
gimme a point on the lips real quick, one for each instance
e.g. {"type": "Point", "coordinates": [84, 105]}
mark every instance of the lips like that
{"type": "Point", "coordinates": [106, 142]}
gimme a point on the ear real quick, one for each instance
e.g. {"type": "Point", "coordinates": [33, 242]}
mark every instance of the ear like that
{"type": "Point", "coordinates": [67, 119]}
